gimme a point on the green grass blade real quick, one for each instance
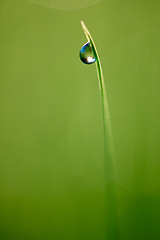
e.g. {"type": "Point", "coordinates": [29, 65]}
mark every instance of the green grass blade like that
{"type": "Point", "coordinates": [111, 220]}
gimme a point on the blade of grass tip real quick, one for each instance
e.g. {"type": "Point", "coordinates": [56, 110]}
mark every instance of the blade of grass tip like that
{"type": "Point", "coordinates": [109, 148]}
{"type": "Point", "coordinates": [110, 193]}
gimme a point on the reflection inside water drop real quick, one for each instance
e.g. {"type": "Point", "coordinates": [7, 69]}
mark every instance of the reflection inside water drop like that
{"type": "Point", "coordinates": [86, 54]}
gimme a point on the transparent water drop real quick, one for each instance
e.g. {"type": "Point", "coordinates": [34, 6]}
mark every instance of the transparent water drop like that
{"type": "Point", "coordinates": [86, 54]}
{"type": "Point", "coordinates": [65, 4]}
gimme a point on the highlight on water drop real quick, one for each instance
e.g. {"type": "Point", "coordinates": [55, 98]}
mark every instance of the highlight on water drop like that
{"type": "Point", "coordinates": [86, 54]}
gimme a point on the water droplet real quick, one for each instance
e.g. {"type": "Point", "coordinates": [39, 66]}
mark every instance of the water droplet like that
{"type": "Point", "coordinates": [86, 54]}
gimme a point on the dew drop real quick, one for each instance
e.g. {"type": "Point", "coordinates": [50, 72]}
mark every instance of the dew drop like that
{"type": "Point", "coordinates": [86, 54]}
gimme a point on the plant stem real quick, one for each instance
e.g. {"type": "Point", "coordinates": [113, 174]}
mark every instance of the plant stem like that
{"type": "Point", "coordinates": [111, 220]}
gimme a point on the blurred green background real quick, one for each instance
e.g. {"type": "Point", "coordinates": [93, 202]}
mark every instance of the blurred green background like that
{"type": "Point", "coordinates": [51, 131]}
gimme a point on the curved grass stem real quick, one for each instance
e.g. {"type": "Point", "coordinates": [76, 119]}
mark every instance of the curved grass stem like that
{"type": "Point", "coordinates": [111, 220]}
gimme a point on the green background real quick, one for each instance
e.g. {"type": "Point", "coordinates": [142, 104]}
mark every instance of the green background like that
{"type": "Point", "coordinates": [51, 131]}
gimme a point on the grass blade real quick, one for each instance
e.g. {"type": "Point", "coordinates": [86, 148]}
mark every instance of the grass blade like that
{"type": "Point", "coordinates": [111, 220]}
